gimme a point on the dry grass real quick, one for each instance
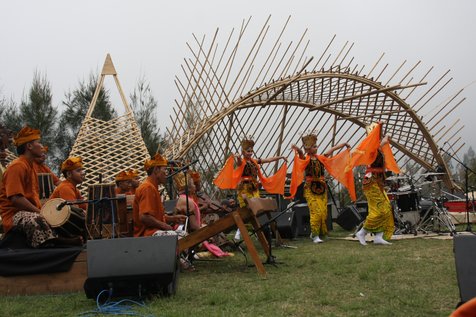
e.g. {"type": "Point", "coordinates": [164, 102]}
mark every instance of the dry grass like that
{"type": "Point", "coordinates": [414, 277]}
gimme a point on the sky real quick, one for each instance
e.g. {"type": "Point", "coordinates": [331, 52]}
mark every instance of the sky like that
{"type": "Point", "coordinates": [67, 40]}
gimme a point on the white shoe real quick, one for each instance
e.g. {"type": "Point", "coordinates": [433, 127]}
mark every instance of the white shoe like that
{"type": "Point", "coordinates": [380, 240]}
{"type": "Point", "coordinates": [317, 240]}
{"type": "Point", "coordinates": [361, 236]}
{"type": "Point", "coordinates": [238, 235]}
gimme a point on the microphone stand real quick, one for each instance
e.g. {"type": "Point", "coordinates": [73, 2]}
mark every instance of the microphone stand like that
{"type": "Point", "coordinates": [466, 169]}
{"type": "Point", "coordinates": [184, 170]}
{"type": "Point", "coordinates": [98, 202]}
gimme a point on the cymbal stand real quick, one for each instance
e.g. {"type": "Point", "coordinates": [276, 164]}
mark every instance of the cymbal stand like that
{"type": "Point", "coordinates": [438, 219]}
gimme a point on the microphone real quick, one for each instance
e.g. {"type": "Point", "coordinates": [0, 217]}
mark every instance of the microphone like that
{"type": "Point", "coordinates": [183, 168]}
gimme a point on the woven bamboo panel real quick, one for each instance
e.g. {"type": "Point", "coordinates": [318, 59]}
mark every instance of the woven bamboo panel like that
{"type": "Point", "coordinates": [108, 147]}
{"type": "Point", "coordinates": [275, 95]}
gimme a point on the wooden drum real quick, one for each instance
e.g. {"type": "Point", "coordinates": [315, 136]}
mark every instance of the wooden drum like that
{"type": "Point", "coordinates": [45, 186]}
{"type": "Point", "coordinates": [69, 221]}
{"type": "Point", "coordinates": [104, 217]}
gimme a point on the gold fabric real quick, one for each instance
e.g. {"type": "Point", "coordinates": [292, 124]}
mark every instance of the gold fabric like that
{"type": "Point", "coordinates": [246, 189]}
{"type": "Point", "coordinates": [317, 211]}
{"type": "Point", "coordinates": [380, 217]}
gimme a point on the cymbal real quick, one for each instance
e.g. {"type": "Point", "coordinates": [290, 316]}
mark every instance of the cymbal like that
{"type": "Point", "coordinates": [391, 178]}
{"type": "Point", "coordinates": [431, 174]}
{"type": "Point", "coordinates": [428, 182]}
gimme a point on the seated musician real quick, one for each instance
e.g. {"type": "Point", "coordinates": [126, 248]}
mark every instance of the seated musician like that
{"type": "Point", "coordinates": [181, 207]}
{"type": "Point", "coordinates": [123, 183]}
{"type": "Point", "coordinates": [72, 170]}
{"type": "Point", "coordinates": [147, 209]}
{"type": "Point", "coordinates": [135, 180]}
{"type": "Point", "coordinates": [19, 201]}
{"type": "Point", "coordinates": [40, 166]}
{"type": "Point", "coordinates": [205, 203]}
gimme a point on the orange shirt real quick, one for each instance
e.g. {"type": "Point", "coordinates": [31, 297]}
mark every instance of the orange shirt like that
{"type": "Point", "coordinates": [42, 168]}
{"type": "Point", "coordinates": [68, 191]}
{"type": "Point", "coordinates": [147, 200]}
{"type": "Point", "coordinates": [19, 179]}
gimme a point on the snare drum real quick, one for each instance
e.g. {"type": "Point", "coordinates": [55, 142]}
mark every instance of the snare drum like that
{"type": "Point", "coordinates": [68, 221]}
{"type": "Point", "coordinates": [45, 186]}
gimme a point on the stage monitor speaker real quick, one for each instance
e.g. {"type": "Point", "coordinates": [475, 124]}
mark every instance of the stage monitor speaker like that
{"type": "Point", "coordinates": [465, 259]}
{"type": "Point", "coordinates": [285, 222]}
{"type": "Point", "coordinates": [301, 212]}
{"type": "Point", "coordinates": [349, 218]}
{"type": "Point", "coordinates": [135, 267]}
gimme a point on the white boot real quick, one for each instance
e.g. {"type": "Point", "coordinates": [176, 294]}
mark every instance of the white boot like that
{"type": "Point", "coordinates": [361, 236]}
{"type": "Point", "coordinates": [380, 240]}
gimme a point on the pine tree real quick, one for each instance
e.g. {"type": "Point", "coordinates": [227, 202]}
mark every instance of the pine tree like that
{"type": "Point", "coordinates": [77, 103]}
{"type": "Point", "coordinates": [144, 106]}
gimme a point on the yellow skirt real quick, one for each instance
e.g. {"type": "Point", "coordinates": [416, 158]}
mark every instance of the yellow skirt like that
{"type": "Point", "coordinates": [317, 211]}
{"type": "Point", "coordinates": [247, 190]}
{"type": "Point", "coordinates": [380, 217]}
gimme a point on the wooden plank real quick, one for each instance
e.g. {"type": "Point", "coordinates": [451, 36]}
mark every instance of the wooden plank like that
{"type": "Point", "coordinates": [49, 283]}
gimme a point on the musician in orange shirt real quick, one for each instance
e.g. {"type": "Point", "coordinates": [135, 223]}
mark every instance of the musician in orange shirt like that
{"type": "Point", "coordinates": [147, 209]}
{"type": "Point", "coordinates": [19, 201]}
{"type": "Point", "coordinates": [72, 170]}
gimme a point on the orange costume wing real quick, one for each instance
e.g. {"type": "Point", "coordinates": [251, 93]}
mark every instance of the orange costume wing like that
{"type": "Point", "coordinates": [275, 183]}
{"type": "Point", "coordinates": [228, 178]}
{"type": "Point", "coordinates": [367, 150]}
{"type": "Point", "coordinates": [297, 175]}
{"type": "Point", "coordinates": [390, 163]}
{"type": "Point", "coordinates": [339, 166]}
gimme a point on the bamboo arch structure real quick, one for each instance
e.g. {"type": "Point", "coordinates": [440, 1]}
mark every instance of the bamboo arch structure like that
{"type": "Point", "coordinates": [226, 96]}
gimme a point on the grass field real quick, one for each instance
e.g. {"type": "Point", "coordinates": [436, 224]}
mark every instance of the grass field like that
{"type": "Point", "coordinates": [414, 277]}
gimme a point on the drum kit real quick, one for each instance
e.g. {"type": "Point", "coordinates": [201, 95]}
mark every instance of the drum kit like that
{"type": "Point", "coordinates": [415, 213]}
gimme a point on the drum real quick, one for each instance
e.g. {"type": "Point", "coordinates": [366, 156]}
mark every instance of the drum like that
{"type": "Point", "coordinates": [407, 201]}
{"type": "Point", "coordinates": [68, 221]}
{"type": "Point", "coordinates": [45, 186]}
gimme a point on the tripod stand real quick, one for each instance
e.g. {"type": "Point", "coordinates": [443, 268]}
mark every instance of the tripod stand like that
{"type": "Point", "coordinates": [466, 189]}
{"type": "Point", "coordinates": [435, 218]}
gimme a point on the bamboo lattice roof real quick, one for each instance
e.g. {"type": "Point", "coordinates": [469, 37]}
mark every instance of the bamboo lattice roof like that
{"type": "Point", "coordinates": [275, 91]}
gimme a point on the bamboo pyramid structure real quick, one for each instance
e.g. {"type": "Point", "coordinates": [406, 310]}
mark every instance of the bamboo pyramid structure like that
{"type": "Point", "coordinates": [108, 147]}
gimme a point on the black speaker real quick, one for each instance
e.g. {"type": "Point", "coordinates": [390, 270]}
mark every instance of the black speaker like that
{"type": "Point", "coordinates": [136, 267]}
{"type": "Point", "coordinates": [349, 218]}
{"type": "Point", "coordinates": [465, 258]}
{"type": "Point", "coordinates": [362, 208]}
{"type": "Point", "coordinates": [286, 223]}
{"type": "Point", "coordinates": [301, 212]}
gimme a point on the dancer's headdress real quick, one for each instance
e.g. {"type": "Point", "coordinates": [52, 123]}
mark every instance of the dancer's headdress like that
{"type": "Point", "coordinates": [309, 140]}
{"type": "Point", "coordinates": [247, 143]}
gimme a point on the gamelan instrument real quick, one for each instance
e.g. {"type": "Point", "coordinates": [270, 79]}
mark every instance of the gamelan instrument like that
{"type": "Point", "coordinates": [67, 220]}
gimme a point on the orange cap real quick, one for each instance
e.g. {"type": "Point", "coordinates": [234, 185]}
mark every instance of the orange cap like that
{"type": "Point", "coordinates": [157, 160]}
{"type": "Point", "coordinates": [72, 163]}
{"type": "Point", "coordinates": [25, 135]}
{"type": "Point", "coordinates": [122, 176]}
